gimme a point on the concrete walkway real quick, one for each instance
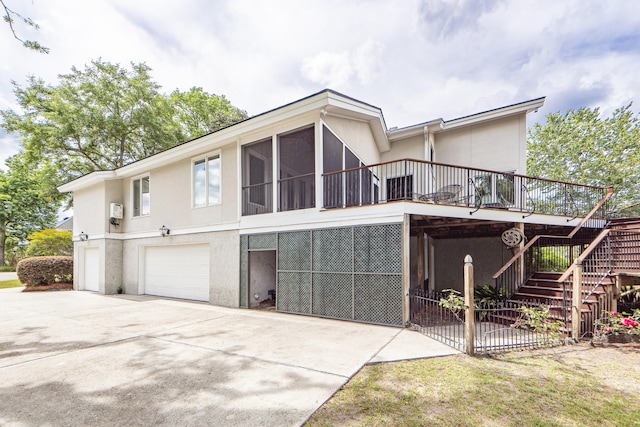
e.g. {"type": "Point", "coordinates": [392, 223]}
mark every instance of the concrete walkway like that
{"type": "Point", "coordinates": [82, 359]}
{"type": "Point", "coordinates": [7, 275]}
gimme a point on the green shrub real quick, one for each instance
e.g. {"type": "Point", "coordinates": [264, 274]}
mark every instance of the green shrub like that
{"type": "Point", "coordinates": [555, 259]}
{"type": "Point", "coordinates": [6, 268]}
{"type": "Point", "coordinates": [45, 270]}
{"type": "Point", "coordinates": [50, 242]}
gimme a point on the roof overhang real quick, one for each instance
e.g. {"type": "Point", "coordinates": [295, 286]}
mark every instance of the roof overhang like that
{"type": "Point", "coordinates": [325, 102]}
{"type": "Point", "coordinates": [343, 106]}
{"type": "Point", "coordinates": [440, 125]}
{"type": "Point", "coordinates": [87, 181]}
{"type": "Point", "coordinates": [498, 113]}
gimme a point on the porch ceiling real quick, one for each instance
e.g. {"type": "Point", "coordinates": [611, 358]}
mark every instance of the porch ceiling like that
{"type": "Point", "coordinates": [453, 228]}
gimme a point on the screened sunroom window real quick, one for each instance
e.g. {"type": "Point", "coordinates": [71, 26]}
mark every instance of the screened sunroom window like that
{"type": "Point", "coordinates": [257, 178]}
{"type": "Point", "coordinates": [206, 181]}
{"type": "Point", "coordinates": [332, 161]}
{"type": "Point", "coordinates": [353, 185]}
{"type": "Point", "coordinates": [296, 179]}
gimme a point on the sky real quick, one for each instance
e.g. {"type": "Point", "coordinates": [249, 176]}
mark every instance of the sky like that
{"type": "Point", "coordinates": [416, 60]}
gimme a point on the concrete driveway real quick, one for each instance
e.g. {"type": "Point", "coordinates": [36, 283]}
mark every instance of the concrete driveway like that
{"type": "Point", "coordinates": [82, 359]}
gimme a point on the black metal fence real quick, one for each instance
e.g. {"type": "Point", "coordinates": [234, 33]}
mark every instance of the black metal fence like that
{"type": "Point", "coordinates": [435, 321]}
{"type": "Point", "coordinates": [498, 325]}
{"type": "Point", "coordinates": [509, 325]}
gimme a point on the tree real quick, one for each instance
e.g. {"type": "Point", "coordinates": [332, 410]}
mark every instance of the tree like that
{"type": "Point", "coordinates": [582, 147]}
{"type": "Point", "coordinates": [106, 116]}
{"type": "Point", "coordinates": [26, 203]}
{"type": "Point", "coordinates": [49, 242]}
{"type": "Point", "coordinates": [99, 118]}
{"type": "Point", "coordinates": [10, 17]}
{"type": "Point", "coordinates": [199, 112]}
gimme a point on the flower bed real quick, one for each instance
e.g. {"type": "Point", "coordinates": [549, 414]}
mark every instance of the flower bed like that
{"type": "Point", "coordinates": [618, 327]}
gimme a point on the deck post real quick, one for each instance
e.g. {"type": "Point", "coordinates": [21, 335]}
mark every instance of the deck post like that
{"type": "Point", "coordinates": [469, 327]}
{"type": "Point", "coordinates": [616, 293]}
{"type": "Point", "coordinates": [576, 303]}
{"type": "Point", "coordinates": [520, 267]}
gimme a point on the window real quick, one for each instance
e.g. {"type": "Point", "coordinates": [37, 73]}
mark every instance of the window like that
{"type": "Point", "coordinates": [257, 178]}
{"type": "Point", "coordinates": [206, 181]}
{"type": "Point", "coordinates": [297, 170]}
{"type": "Point", "coordinates": [400, 188]}
{"type": "Point", "coordinates": [141, 199]}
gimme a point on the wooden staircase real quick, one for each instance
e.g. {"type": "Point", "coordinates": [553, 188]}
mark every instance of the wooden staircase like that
{"type": "Point", "coordinates": [616, 250]}
{"type": "Point", "coordinates": [607, 249]}
{"type": "Point", "coordinates": [625, 224]}
{"type": "Point", "coordinates": [546, 289]}
{"type": "Point", "coordinates": [625, 249]}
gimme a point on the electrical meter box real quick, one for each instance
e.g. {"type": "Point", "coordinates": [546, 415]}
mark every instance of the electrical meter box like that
{"type": "Point", "coordinates": [115, 210]}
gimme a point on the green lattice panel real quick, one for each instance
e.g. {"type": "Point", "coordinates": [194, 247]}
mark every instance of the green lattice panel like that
{"type": "Point", "coordinates": [378, 299]}
{"type": "Point", "coordinates": [294, 292]}
{"type": "Point", "coordinates": [333, 249]}
{"type": "Point", "coordinates": [294, 251]}
{"type": "Point", "coordinates": [262, 241]}
{"type": "Point", "coordinates": [332, 295]}
{"type": "Point", "coordinates": [378, 248]}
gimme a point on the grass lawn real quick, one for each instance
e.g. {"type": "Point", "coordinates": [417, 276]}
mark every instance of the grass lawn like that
{"type": "Point", "coordinates": [10, 284]}
{"type": "Point", "coordinates": [567, 386]}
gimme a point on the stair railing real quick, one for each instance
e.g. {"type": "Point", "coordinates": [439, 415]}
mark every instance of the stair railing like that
{"type": "Point", "coordinates": [542, 253]}
{"type": "Point", "coordinates": [600, 258]}
{"type": "Point", "coordinates": [589, 217]}
{"type": "Point", "coordinates": [595, 259]}
{"type": "Point", "coordinates": [523, 264]}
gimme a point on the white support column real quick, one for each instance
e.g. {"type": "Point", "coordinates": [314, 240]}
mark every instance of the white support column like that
{"type": "Point", "coordinates": [406, 266]}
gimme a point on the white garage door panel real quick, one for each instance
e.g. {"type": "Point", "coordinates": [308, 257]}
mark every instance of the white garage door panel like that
{"type": "Point", "coordinates": [91, 269]}
{"type": "Point", "coordinates": [177, 271]}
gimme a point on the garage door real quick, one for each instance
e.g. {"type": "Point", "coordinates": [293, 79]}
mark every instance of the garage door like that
{"type": "Point", "coordinates": [177, 271]}
{"type": "Point", "coordinates": [91, 269]}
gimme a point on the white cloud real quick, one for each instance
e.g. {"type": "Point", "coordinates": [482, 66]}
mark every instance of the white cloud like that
{"type": "Point", "coordinates": [332, 69]}
{"type": "Point", "coordinates": [417, 60]}
{"type": "Point", "coordinates": [367, 62]}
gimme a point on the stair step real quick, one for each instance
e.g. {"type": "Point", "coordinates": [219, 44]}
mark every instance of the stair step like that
{"type": "Point", "coordinates": [547, 275]}
{"type": "Point", "coordinates": [539, 299]}
{"type": "Point", "coordinates": [529, 288]}
{"type": "Point", "coordinates": [551, 284]}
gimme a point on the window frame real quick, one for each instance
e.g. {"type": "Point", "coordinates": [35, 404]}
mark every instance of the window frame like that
{"type": "Point", "coordinates": [399, 187]}
{"type": "Point", "coordinates": [135, 179]}
{"type": "Point", "coordinates": [206, 159]}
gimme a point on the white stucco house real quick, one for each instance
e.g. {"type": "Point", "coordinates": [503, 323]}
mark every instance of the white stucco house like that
{"type": "Point", "coordinates": [319, 206]}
